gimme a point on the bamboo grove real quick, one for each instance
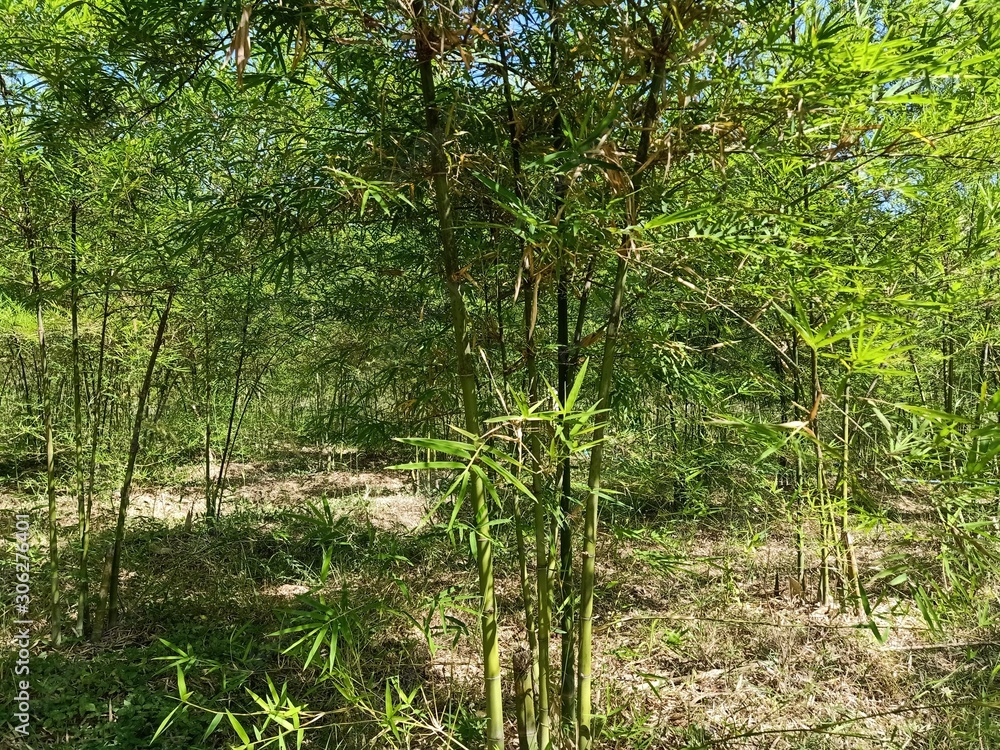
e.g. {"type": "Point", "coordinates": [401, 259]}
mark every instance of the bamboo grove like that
{"type": "Point", "coordinates": [571, 259]}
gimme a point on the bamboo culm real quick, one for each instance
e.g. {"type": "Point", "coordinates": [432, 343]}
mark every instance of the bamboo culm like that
{"type": "Point", "coordinates": [466, 376]}
{"type": "Point", "coordinates": [83, 509]}
{"type": "Point", "coordinates": [133, 452]}
{"type": "Point", "coordinates": [585, 735]}
{"type": "Point", "coordinates": [55, 612]}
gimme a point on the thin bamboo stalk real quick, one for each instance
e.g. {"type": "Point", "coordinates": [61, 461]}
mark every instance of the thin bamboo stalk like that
{"type": "Point", "coordinates": [651, 109]}
{"type": "Point", "coordinates": [852, 584]}
{"type": "Point", "coordinates": [826, 537]}
{"type": "Point", "coordinates": [133, 453]}
{"type": "Point", "coordinates": [55, 611]}
{"type": "Point", "coordinates": [544, 559]}
{"type": "Point", "coordinates": [83, 510]}
{"type": "Point", "coordinates": [800, 551]}
{"type": "Point", "coordinates": [452, 270]}
{"type": "Point", "coordinates": [100, 410]}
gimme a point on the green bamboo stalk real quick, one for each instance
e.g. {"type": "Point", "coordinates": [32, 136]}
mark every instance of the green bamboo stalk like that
{"type": "Point", "coordinates": [103, 595]}
{"type": "Point", "coordinates": [544, 559]}
{"type": "Point", "coordinates": [852, 584]}
{"type": "Point", "coordinates": [83, 510]}
{"type": "Point", "coordinates": [459, 313]}
{"type": "Point", "coordinates": [97, 419]}
{"type": "Point", "coordinates": [133, 453]}
{"type": "Point", "coordinates": [209, 496]}
{"type": "Point", "coordinates": [826, 537]}
{"type": "Point", "coordinates": [55, 613]}
{"type": "Point", "coordinates": [532, 615]}
{"type": "Point", "coordinates": [584, 728]}
{"type": "Point", "coordinates": [523, 701]}
{"type": "Point", "coordinates": [651, 110]}
{"type": "Point", "coordinates": [564, 489]}
{"type": "Point", "coordinates": [529, 618]}
{"type": "Point", "coordinates": [800, 549]}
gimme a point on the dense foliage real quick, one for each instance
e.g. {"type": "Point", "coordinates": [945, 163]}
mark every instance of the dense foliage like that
{"type": "Point", "coordinates": [589, 260]}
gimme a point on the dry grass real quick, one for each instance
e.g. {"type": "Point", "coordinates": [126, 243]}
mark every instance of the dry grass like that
{"type": "Point", "coordinates": [693, 646]}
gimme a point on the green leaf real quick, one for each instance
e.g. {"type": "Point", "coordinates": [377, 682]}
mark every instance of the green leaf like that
{"type": "Point", "coordinates": [666, 220]}
{"type": "Point", "coordinates": [213, 726]}
{"type": "Point", "coordinates": [166, 722]}
{"type": "Point", "coordinates": [933, 415]}
{"type": "Point", "coordinates": [318, 639]}
{"type": "Point", "coordinates": [577, 385]}
{"type": "Point", "coordinates": [181, 686]}
{"type": "Point", "coordinates": [451, 447]}
{"type": "Point", "coordinates": [427, 465]}
{"type": "Point", "coordinates": [238, 728]}
{"type": "Point", "coordinates": [867, 607]}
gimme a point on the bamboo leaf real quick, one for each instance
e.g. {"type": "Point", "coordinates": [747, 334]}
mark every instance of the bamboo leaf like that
{"type": "Point", "coordinates": [166, 722]}
{"type": "Point", "coordinates": [216, 720]}
{"type": "Point", "coordinates": [427, 465]}
{"type": "Point", "coordinates": [666, 220]}
{"type": "Point", "coordinates": [577, 385]}
{"type": "Point", "coordinates": [181, 686]}
{"type": "Point", "coordinates": [238, 728]}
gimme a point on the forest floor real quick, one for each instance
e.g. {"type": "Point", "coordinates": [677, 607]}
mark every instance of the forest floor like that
{"type": "Point", "coordinates": [699, 641]}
